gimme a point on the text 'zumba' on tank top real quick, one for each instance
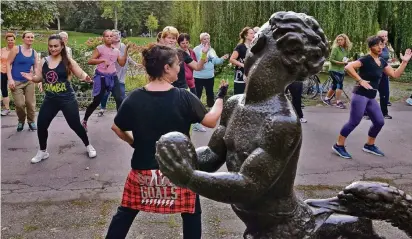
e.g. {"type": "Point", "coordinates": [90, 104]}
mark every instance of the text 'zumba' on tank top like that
{"type": "Point", "coordinates": [55, 81]}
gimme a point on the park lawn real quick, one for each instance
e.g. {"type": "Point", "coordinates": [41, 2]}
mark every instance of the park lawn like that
{"type": "Point", "coordinates": [40, 41]}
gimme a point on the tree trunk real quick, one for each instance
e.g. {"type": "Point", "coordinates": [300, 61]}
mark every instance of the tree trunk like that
{"type": "Point", "coordinates": [58, 24]}
{"type": "Point", "coordinates": [115, 17]}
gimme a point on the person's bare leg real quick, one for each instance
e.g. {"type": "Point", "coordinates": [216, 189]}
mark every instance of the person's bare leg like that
{"type": "Point", "coordinates": [371, 141]}
{"type": "Point", "coordinates": [6, 102]}
{"type": "Point", "coordinates": [338, 94]}
{"type": "Point", "coordinates": [342, 139]}
{"type": "Point", "coordinates": [330, 93]}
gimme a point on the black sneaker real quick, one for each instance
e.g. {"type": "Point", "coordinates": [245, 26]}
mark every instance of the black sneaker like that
{"type": "Point", "coordinates": [32, 126]}
{"type": "Point", "coordinates": [341, 151]}
{"type": "Point", "coordinates": [387, 117]}
{"type": "Point", "coordinates": [372, 149]}
{"type": "Point", "coordinates": [20, 126]}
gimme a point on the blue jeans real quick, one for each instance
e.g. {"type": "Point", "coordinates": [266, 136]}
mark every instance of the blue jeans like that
{"type": "Point", "coordinates": [337, 80]}
{"type": "Point", "coordinates": [105, 98]}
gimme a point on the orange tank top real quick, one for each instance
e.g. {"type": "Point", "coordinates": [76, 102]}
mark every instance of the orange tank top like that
{"type": "Point", "coordinates": [4, 55]}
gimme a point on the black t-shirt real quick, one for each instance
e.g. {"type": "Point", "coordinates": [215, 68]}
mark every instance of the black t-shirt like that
{"type": "Point", "coordinates": [181, 78]}
{"type": "Point", "coordinates": [239, 71]}
{"type": "Point", "coordinates": [151, 114]}
{"type": "Point", "coordinates": [370, 71]}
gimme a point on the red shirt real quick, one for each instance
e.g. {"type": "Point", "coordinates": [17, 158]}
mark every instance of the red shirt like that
{"type": "Point", "coordinates": [189, 72]}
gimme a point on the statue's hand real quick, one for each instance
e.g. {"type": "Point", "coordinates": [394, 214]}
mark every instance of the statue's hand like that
{"type": "Point", "coordinates": [176, 157]}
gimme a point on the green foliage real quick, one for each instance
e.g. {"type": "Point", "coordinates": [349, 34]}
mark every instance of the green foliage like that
{"type": "Point", "coordinates": [27, 14]}
{"type": "Point", "coordinates": [112, 9]}
{"type": "Point", "coordinates": [152, 23]}
{"type": "Point", "coordinates": [223, 20]}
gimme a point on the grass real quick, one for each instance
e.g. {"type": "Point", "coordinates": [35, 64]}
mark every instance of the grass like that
{"type": "Point", "coordinates": [40, 40]}
{"type": "Point", "coordinates": [29, 228]}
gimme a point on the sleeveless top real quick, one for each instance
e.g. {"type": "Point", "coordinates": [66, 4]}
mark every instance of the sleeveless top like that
{"type": "Point", "coordinates": [4, 55]}
{"type": "Point", "coordinates": [20, 64]}
{"type": "Point", "coordinates": [55, 81]}
{"type": "Point", "coordinates": [109, 53]}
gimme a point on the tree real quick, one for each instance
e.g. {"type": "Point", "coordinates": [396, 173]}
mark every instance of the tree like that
{"type": "Point", "coordinates": [152, 23]}
{"type": "Point", "coordinates": [28, 14]}
{"type": "Point", "coordinates": [111, 10]}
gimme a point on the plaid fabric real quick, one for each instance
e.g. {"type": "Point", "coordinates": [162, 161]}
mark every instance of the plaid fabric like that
{"type": "Point", "coordinates": [150, 191]}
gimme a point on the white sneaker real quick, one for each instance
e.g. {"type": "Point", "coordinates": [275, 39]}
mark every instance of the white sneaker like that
{"type": "Point", "coordinates": [303, 120]}
{"type": "Point", "coordinates": [40, 156]}
{"type": "Point", "coordinates": [409, 101]}
{"type": "Point", "coordinates": [91, 151]}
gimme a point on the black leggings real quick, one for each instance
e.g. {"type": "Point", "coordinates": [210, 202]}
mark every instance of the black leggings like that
{"type": "Point", "coordinates": [121, 222]}
{"type": "Point", "coordinates": [208, 84]}
{"type": "Point", "coordinates": [49, 110]}
{"type": "Point", "coordinates": [4, 85]}
{"type": "Point", "coordinates": [116, 93]}
{"type": "Point", "coordinates": [295, 90]}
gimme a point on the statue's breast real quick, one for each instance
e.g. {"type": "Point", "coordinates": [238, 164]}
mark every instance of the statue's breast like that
{"type": "Point", "coordinates": [243, 132]}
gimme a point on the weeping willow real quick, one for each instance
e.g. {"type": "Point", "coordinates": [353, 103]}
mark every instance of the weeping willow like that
{"type": "Point", "coordinates": [223, 20]}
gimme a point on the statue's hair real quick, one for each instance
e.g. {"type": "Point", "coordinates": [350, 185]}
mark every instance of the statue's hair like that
{"type": "Point", "coordinates": [302, 41]}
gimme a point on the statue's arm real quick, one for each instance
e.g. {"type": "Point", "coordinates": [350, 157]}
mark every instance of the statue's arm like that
{"type": "Point", "coordinates": [210, 158]}
{"type": "Point", "coordinates": [259, 172]}
{"type": "Point", "coordinates": [213, 156]}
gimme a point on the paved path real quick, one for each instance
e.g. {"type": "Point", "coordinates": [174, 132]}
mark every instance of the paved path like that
{"type": "Point", "coordinates": [63, 181]}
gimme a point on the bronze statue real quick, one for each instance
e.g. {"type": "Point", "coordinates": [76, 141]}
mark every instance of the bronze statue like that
{"type": "Point", "coordinates": [259, 138]}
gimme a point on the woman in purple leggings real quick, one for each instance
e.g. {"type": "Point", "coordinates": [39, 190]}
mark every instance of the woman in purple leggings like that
{"type": "Point", "coordinates": [368, 77]}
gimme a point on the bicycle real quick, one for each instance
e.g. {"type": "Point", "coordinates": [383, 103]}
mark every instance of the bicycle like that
{"type": "Point", "coordinates": [311, 87]}
{"type": "Point", "coordinates": [324, 88]}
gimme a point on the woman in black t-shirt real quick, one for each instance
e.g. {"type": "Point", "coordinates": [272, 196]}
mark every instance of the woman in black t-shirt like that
{"type": "Point", "coordinates": [368, 77]}
{"type": "Point", "coordinates": [238, 58]}
{"type": "Point", "coordinates": [150, 112]}
{"type": "Point", "coordinates": [56, 71]}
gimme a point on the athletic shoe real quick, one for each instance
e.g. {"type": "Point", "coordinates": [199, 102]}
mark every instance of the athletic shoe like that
{"type": "Point", "coordinates": [389, 104]}
{"type": "Point", "coordinates": [303, 120]}
{"type": "Point", "coordinates": [366, 117]}
{"type": "Point", "coordinates": [387, 117]}
{"type": "Point", "coordinates": [91, 151]}
{"type": "Point", "coordinates": [32, 126]}
{"type": "Point", "coordinates": [40, 156]}
{"type": "Point", "coordinates": [5, 112]}
{"type": "Point", "coordinates": [199, 128]}
{"type": "Point", "coordinates": [20, 126]}
{"type": "Point", "coordinates": [327, 101]}
{"type": "Point", "coordinates": [372, 149]}
{"type": "Point", "coordinates": [84, 124]}
{"type": "Point", "coordinates": [409, 101]}
{"type": "Point", "coordinates": [340, 105]}
{"type": "Point", "coordinates": [101, 113]}
{"type": "Point", "coordinates": [341, 151]}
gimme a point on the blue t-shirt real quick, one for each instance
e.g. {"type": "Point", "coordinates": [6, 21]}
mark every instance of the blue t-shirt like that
{"type": "Point", "coordinates": [385, 54]}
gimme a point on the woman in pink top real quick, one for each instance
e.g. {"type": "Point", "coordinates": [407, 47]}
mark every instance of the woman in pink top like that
{"type": "Point", "coordinates": [105, 78]}
{"type": "Point", "coordinates": [10, 38]}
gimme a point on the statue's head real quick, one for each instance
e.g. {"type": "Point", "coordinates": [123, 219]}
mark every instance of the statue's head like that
{"type": "Point", "coordinates": [291, 43]}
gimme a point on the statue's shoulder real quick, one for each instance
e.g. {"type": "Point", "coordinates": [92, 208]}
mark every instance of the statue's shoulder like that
{"type": "Point", "coordinates": [233, 101]}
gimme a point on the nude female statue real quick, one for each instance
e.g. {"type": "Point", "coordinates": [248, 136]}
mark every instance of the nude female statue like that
{"type": "Point", "coordinates": [259, 138]}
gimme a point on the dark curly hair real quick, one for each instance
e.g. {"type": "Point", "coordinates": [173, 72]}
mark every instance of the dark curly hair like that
{"type": "Point", "coordinates": [300, 40]}
{"type": "Point", "coordinates": [155, 57]}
